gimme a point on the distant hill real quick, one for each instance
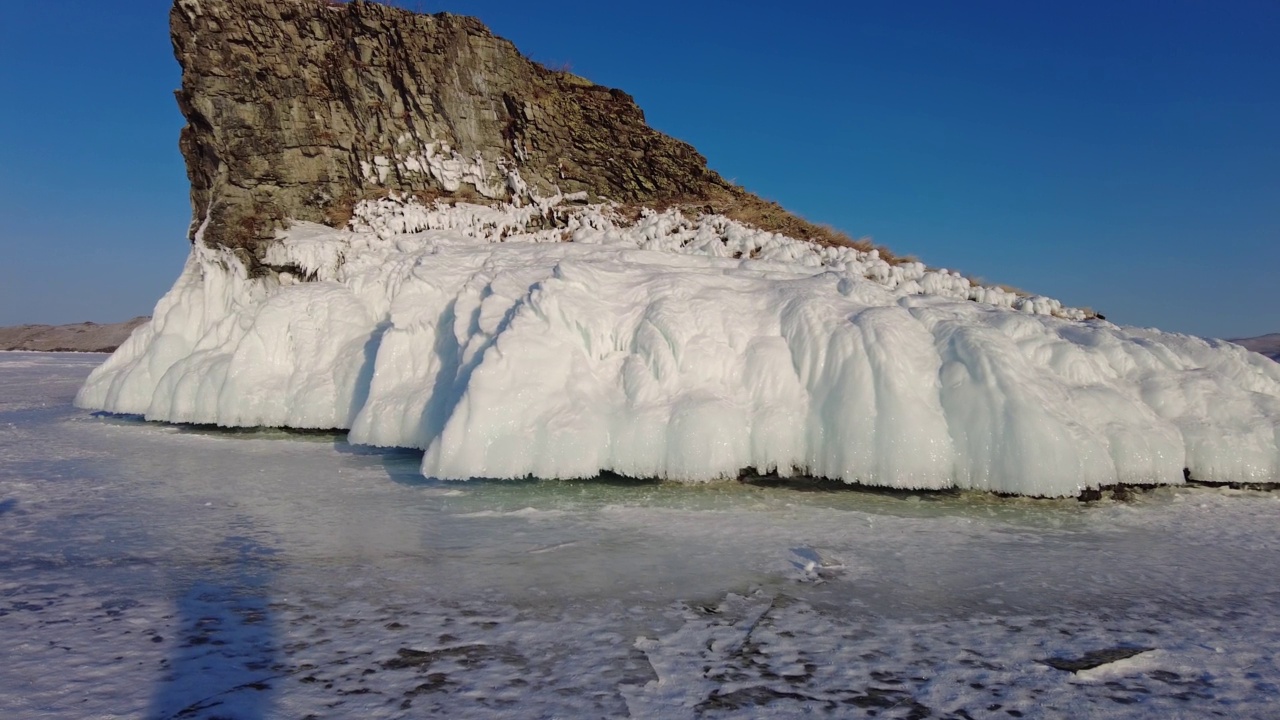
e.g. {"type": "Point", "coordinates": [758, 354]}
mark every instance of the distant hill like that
{"type": "Point", "coordinates": [80, 337]}
{"type": "Point", "coordinates": [1268, 345]}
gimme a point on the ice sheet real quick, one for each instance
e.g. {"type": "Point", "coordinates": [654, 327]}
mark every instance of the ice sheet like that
{"type": "Point", "coordinates": [165, 571]}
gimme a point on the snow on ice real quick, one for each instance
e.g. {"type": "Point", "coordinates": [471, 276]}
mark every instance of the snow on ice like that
{"type": "Point", "coordinates": [161, 571]}
{"type": "Point", "coordinates": [506, 346]}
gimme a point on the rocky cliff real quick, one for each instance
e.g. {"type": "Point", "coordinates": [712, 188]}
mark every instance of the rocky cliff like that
{"type": "Point", "coordinates": [298, 109]}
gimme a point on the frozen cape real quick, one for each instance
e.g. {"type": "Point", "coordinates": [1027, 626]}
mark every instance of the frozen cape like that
{"type": "Point", "coordinates": [682, 349]}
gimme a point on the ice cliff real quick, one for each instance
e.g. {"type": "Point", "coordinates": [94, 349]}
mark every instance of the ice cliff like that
{"type": "Point", "coordinates": [682, 349]}
{"type": "Point", "coordinates": [605, 308]}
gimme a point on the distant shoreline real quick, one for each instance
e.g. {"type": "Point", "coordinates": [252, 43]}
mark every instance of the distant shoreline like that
{"type": "Point", "coordinates": [62, 350]}
{"type": "Point", "coordinates": [86, 337]}
{"type": "Point", "coordinates": [1268, 345]}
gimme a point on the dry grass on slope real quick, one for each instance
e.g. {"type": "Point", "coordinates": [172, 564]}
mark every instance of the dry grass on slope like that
{"type": "Point", "coordinates": [734, 203]}
{"type": "Point", "coordinates": [741, 206]}
{"type": "Point", "coordinates": [768, 215]}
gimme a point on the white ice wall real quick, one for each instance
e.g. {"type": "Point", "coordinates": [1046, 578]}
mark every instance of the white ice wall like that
{"type": "Point", "coordinates": [665, 350]}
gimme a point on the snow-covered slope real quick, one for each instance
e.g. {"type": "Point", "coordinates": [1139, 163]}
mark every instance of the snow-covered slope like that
{"type": "Point", "coordinates": [682, 349]}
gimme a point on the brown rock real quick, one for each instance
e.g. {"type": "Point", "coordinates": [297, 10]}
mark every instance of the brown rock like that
{"type": "Point", "coordinates": [297, 109]}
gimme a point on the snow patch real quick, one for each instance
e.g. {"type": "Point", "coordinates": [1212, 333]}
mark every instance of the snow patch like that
{"type": "Point", "coordinates": [1142, 663]}
{"type": "Point", "coordinates": [446, 166]}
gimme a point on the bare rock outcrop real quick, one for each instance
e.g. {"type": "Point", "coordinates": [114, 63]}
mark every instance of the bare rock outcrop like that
{"type": "Point", "coordinates": [298, 109]}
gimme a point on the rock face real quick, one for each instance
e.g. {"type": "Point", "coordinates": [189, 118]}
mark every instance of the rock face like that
{"type": "Point", "coordinates": [297, 109]}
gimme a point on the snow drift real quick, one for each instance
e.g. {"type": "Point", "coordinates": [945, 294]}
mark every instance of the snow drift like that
{"type": "Point", "coordinates": [681, 349]}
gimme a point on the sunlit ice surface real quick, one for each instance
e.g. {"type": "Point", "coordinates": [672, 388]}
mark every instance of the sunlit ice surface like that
{"type": "Point", "coordinates": [684, 350]}
{"type": "Point", "coordinates": [180, 571]}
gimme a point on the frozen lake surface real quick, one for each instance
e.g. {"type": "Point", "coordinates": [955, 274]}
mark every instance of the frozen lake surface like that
{"type": "Point", "coordinates": [174, 572]}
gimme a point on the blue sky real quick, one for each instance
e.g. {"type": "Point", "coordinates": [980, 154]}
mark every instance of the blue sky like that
{"type": "Point", "coordinates": [1120, 155]}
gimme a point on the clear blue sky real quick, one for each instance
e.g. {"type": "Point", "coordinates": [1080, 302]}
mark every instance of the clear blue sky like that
{"type": "Point", "coordinates": [1121, 155]}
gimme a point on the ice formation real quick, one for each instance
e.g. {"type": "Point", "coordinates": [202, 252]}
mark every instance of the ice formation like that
{"type": "Point", "coordinates": [557, 340]}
